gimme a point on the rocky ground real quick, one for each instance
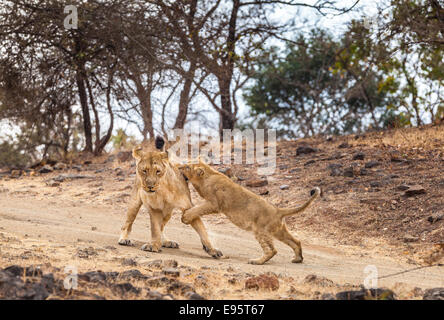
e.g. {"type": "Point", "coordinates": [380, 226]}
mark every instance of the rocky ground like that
{"type": "Point", "coordinates": [382, 201]}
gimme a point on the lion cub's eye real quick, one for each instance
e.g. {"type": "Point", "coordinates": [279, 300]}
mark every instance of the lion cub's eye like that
{"type": "Point", "coordinates": [144, 171]}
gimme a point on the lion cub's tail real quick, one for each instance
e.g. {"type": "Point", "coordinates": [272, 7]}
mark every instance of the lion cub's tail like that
{"type": "Point", "coordinates": [290, 211]}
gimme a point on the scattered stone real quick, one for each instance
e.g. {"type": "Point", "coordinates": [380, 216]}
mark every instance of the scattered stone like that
{"type": "Point", "coordinates": [402, 187]}
{"type": "Point", "coordinates": [434, 294]}
{"type": "Point", "coordinates": [52, 183]}
{"type": "Point", "coordinates": [344, 145]}
{"type": "Point", "coordinates": [263, 192]}
{"type": "Point", "coordinates": [155, 295]}
{"type": "Point", "coordinates": [171, 272]}
{"type": "Point", "coordinates": [193, 296]}
{"type": "Point", "coordinates": [318, 280]}
{"type": "Point", "coordinates": [435, 217]}
{"type": "Point", "coordinates": [60, 166]}
{"type": "Point", "coordinates": [129, 262]}
{"type": "Point", "coordinates": [410, 238]}
{"type": "Point", "coordinates": [86, 252]}
{"type": "Point", "coordinates": [77, 167]}
{"type": "Point", "coordinates": [256, 183]}
{"type": "Point", "coordinates": [305, 150]}
{"type": "Point", "coordinates": [363, 172]}
{"type": "Point", "coordinates": [359, 156]}
{"type": "Point", "coordinates": [158, 281]}
{"type": "Point", "coordinates": [309, 162]}
{"type": "Point", "coordinates": [18, 271]}
{"type": "Point", "coordinates": [13, 288]}
{"type": "Point", "coordinates": [328, 296]}
{"type": "Point", "coordinates": [363, 294]}
{"type": "Point", "coordinates": [124, 288]}
{"type": "Point", "coordinates": [15, 173]}
{"type": "Point", "coordinates": [335, 172]}
{"type": "Point", "coordinates": [284, 187]}
{"type": "Point", "coordinates": [375, 184]}
{"type": "Point", "coordinates": [349, 172]}
{"type": "Point", "coordinates": [201, 281]}
{"type": "Point", "coordinates": [372, 164]}
{"type": "Point", "coordinates": [180, 288]}
{"type": "Point", "coordinates": [132, 274]}
{"type": "Point", "coordinates": [414, 190]}
{"type": "Point", "coordinates": [46, 169]}
{"type": "Point", "coordinates": [267, 282]}
{"type": "Point", "coordinates": [93, 228]}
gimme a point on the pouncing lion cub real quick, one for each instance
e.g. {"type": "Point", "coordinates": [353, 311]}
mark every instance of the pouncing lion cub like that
{"type": "Point", "coordinates": [161, 188]}
{"type": "Point", "coordinates": [245, 209]}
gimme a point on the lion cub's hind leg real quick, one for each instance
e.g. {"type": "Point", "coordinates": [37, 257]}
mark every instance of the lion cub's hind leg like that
{"type": "Point", "coordinates": [286, 237]}
{"type": "Point", "coordinates": [266, 242]}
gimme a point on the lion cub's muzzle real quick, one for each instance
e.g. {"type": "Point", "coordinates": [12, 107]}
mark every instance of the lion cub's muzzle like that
{"type": "Point", "coordinates": [149, 189]}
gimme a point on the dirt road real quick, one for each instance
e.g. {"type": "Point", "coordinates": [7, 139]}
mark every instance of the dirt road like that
{"type": "Point", "coordinates": [68, 224]}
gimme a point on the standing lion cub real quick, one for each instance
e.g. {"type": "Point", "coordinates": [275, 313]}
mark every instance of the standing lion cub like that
{"type": "Point", "coordinates": [245, 209]}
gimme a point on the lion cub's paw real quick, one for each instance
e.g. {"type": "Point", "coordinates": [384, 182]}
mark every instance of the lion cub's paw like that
{"type": "Point", "coordinates": [149, 247]}
{"type": "Point", "coordinates": [216, 254]}
{"type": "Point", "coordinates": [125, 242]}
{"type": "Point", "coordinates": [297, 260]}
{"type": "Point", "coordinates": [170, 244]}
{"type": "Point", "coordinates": [256, 261]}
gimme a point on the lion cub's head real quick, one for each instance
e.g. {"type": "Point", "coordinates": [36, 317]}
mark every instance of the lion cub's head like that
{"type": "Point", "coordinates": [195, 171]}
{"type": "Point", "coordinates": [151, 167]}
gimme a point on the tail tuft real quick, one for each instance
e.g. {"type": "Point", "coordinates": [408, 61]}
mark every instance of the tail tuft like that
{"type": "Point", "coordinates": [159, 142]}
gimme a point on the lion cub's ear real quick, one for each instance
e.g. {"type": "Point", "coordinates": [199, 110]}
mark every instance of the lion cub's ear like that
{"type": "Point", "coordinates": [137, 153]}
{"type": "Point", "coordinates": [200, 172]}
{"type": "Point", "coordinates": [164, 155]}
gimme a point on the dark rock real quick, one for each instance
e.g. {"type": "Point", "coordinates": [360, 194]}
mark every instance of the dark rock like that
{"type": "Point", "coordinates": [349, 172]}
{"type": "Point", "coordinates": [158, 281]}
{"type": "Point", "coordinates": [171, 272]}
{"type": "Point", "coordinates": [363, 172]}
{"type": "Point", "coordinates": [372, 164]}
{"type": "Point", "coordinates": [363, 294]}
{"type": "Point", "coordinates": [359, 156]}
{"type": "Point", "coordinates": [328, 296]}
{"type": "Point", "coordinates": [129, 262]}
{"type": "Point", "coordinates": [124, 288]}
{"type": "Point", "coordinates": [309, 162]}
{"type": "Point", "coordinates": [435, 217]}
{"type": "Point", "coordinates": [193, 296]}
{"type": "Point", "coordinates": [93, 276]}
{"type": "Point", "coordinates": [132, 274]}
{"type": "Point", "coordinates": [20, 271]}
{"type": "Point", "coordinates": [46, 169]}
{"type": "Point", "coordinates": [344, 145]}
{"type": "Point", "coordinates": [375, 184]}
{"type": "Point", "coordinates": [305, 150]}
{"type": "Point", "coordinates": [124, 156]}
{"type": "Point", "coordinates": [179, 288]}
{"type": "Point", "coordinates": [414, 190]}
{"type": "Point", "coordinates": [334, 166]}
{"type": "Point", "coordinates": [434, 294]}
{"type": "Point", "coordinates": [284, 187]}
{"type": "Point", "coordinates": [13, 288]}
{"type": "Point", "coordinates": [318, 280]}
{"type": "Point", "coordinates": [402, 187]}
{"type": "Point", "coordinates": [155, 295]}
{"type": "Point", "coordinates": [256, 183]}
{"type": "Point", "coordinates": [410, 238]}
{"type": "Point", "coordinates": [263, 281]}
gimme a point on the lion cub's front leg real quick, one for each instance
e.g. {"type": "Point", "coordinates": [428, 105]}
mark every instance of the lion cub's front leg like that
{"type": "Point", "coordinates": [156, 219]}
{"type": "Point", "coordinates": [192, 217]}
{"type": "Point", "coordinates": [131, 215]}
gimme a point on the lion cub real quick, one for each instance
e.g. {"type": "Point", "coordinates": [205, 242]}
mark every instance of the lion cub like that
{"type": "Point", "coordinates": [245, 209]}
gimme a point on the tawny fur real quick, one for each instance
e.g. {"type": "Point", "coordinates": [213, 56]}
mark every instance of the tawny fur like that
{"type": "Point", "coordinates": [245, 209]}
{"type": "Point", "coordinates": [161, 188]}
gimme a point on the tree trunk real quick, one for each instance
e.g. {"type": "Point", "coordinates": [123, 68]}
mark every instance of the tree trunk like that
{"type": "Point", "coordinates": [227, 119]}
{"type": "Point", "coordinates": [185, 98]}
{"type": "Point", "coordinates": [85, 111]}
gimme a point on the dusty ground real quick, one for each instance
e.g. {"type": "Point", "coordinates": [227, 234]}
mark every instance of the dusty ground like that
{"type": "Point", "coordinates": [72, 217]}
